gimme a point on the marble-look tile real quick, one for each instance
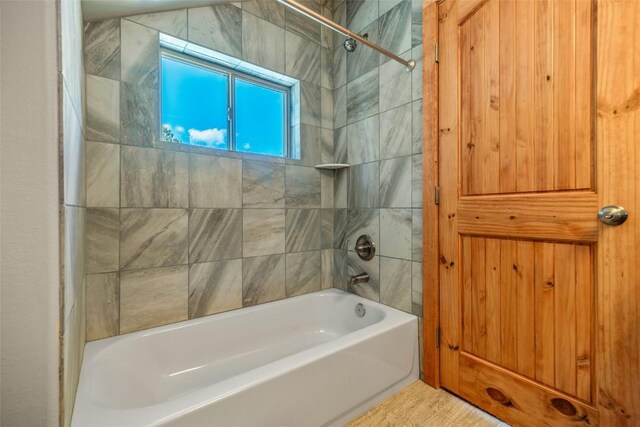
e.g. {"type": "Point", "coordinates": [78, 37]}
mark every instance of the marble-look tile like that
{"type": "Point", "coordinates": [302, 230]}
{"type": "Point", "coordinates": [341, 189]}
{"type": "Point", "coordinates": [340, 14]}
{"type": "Point", "coordinates": [395, 132]}
{"type": "Point", "coordinates": [416, 181]}
{"type": "Point", "coordinates": [152, 238]}
{"type": "Point", "coordinates": [173, 22]}
{"type": "Point", "coordinates": [395, 85]}
{"type": "Point", "coordinates": [339, 67]}
{"type": "Point", "coordinates": [310, 104]}
{"type": "Point", "coordinates": [102, 48]}
{"type": "Point", "coordinates": [295, 142]}
{"type": "Point", "coordinates": [262, 185]}
{"type": "Point", "coordinates": [70, 39]}
{"type": "Point", "coordinates": [326, 108]}
{"type": "Point", "coordinates": [103, 305]}
{"type": "Point", "coordinates": [73, 153]}
{"type": "Point", "coordinates": [326, 145]}
{"type": "Point", "coordinates": [362, 96]}
{"type": "Point", "coordinates": [218, 27]}
{"type": "Point", "coordinates": [214, 182]}
{"type": "Point", "coordinates": [140, 54]}
{"type": "Point", "coordinates": [326, 34]}
{"type": "Point", "coordinates": [262, 43]}
{"type": "Point", "coordinates": [416, 114]}
{"type": "Point", "coordinates": [295, 104]}
{"type": "Point", "coordinates": [360, 222]}
{"type": "Point", "coordinates": [103, 233]}
{"type": "Point", "coordinates": [266, 9]}
{"type": "Point", "coordinates": [395, 283]}
{"type": "Point", "coordinates": [301, 25]}
{"type": "Point", "coordinates": [395, 29]}
{"type": "Point", "coordinates": [153, 178]}
{"type": "Point", "coordinates": [416, 22]}
{"type": "Point", "coordinates": [215, 287]}
{"type": "Point", "coordinates": [340, 145]}
{"type": "Point", "coordinates": [73, 350]}
{"type": "Point", "coordinates": [395, 183]}
{"type": "Point", "coordinates": [103, 174]}
{"type": "Point", "coordinates": [302, 188]}
{"type": "Point", "coordinates": [386, 5]}
{"type": "Point", "coordinates": [326, 228]}
{"type": "Point", "coordinates": [355, 265]}
{"type": "Point", "coordinates": [153, 297]}
{"type": "Point", "coordinates": [340, 275]}
{"type": "Point", "coordinates": [263, 232]}
{"type": "Point", "coordinates": [326, 69]}
{"type": "Point", "coordinates": [340, 224]}
{"type": "Point", "coordinates": [364, 141]}
{"type": "Point", "coordinates": [327, 268]}
{"type": "Point", "coordinates": [302, 58]}
{"type": "Point", "coordinates": [74, 254]}
{"type": "Point", "coordinates": [327, 189]}
{"type": "Point", "coordinates": [364, 185]}
{"type": "Point", "coordinates": [416, 235]}
{"type": "Point", "coordinates": [361, 13]}
{"type": "Point", "coordinates": [263, 279]}
{"type": "Point", "coordinates": [103, 109]}
{"type": "Point", "coordinates": [416, 74]}
{"type": "Point", "coordinates": [395, 233]}
{"type": "Point", "coordinates": [310, 146]}
{"type": "Point", "coordinates": [139, 118]}
{"type": "Point", "coordinates": [340, 107]}
{"type": "Point", "coordinates": [363, 59]}
{"type": "Point", "coordinates": [215, 234]}
{"type": "Point", "coordinates": [416, 288]}
{"type": "Point", "coordinates": [303, 273]}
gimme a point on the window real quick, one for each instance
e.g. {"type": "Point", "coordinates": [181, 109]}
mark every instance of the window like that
{"type": "Point", "coordinates": [213, 106]}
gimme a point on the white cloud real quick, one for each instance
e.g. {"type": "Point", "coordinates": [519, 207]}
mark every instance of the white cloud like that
{"type": "Point", "coordinates": [246, 146]}
{"type": "Point", "coordinates": [208, 137]}
{"type": "Point", "coordinates": [179, 129]}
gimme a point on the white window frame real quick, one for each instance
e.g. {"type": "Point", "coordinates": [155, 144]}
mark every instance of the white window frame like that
{"type": "Point", "coordinates": [232, 75]}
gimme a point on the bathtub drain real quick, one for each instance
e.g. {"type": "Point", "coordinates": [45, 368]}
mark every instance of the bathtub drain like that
{"type": "Point", "coordinates": [360, 310]}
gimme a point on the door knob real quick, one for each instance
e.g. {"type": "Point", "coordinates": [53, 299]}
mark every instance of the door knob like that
{"type": "Point", "coordinates": [613, 215]}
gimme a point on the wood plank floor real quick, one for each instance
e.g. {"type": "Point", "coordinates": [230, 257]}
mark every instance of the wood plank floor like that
{"type": "Point", "coordinates": [421, 405]}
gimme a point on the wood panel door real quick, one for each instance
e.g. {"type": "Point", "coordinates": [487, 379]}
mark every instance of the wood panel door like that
{"type": "Point", "coordinates": [531, 129]}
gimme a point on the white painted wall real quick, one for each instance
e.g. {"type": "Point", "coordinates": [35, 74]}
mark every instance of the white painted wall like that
{"type": "Point", "coordinates": [29, 234]}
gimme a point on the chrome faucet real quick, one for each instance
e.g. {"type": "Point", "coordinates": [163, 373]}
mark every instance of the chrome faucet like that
{"type": "Point", "coordinates": [359, 278]}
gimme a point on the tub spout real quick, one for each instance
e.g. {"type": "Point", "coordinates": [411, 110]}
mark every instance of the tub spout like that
{"type": "Point", "coordinates": [359, 278]}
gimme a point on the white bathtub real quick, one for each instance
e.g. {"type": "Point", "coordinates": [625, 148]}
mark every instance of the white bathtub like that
{"type": "Point", "coordinates": [303, 361]}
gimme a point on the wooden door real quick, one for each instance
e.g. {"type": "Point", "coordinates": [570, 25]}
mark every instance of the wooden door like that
{"type": "Point", "coordinates": [539, 301]}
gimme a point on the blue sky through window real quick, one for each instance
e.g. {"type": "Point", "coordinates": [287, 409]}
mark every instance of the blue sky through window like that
{"type": "Point", "coordinates": [259, 119]}
{"type": "Point", "coordinates": [195, 105]}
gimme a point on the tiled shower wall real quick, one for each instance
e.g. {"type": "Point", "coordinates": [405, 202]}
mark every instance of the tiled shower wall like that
{"type": "Point", "coordinates": [377, 121]}
{"type": "Point", "coordinates": [72, 203]}
{"type": "Point", "coordinates": [177, 232]}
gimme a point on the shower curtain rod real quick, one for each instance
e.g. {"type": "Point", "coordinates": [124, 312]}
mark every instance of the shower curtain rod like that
{"type": "Point", "coordinates": [409, 65]}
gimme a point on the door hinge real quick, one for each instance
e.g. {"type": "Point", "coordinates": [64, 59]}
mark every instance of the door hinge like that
{"type": "Point", "coordinates": [436, 52]}
{"type": "Point", "coordinates": [437, 195]}
{"type": "Point", "coordinates": [438, 337]}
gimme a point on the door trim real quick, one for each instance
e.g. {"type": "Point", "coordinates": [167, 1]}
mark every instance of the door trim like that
{"type": "Point", "coordinates": [430, 173]}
